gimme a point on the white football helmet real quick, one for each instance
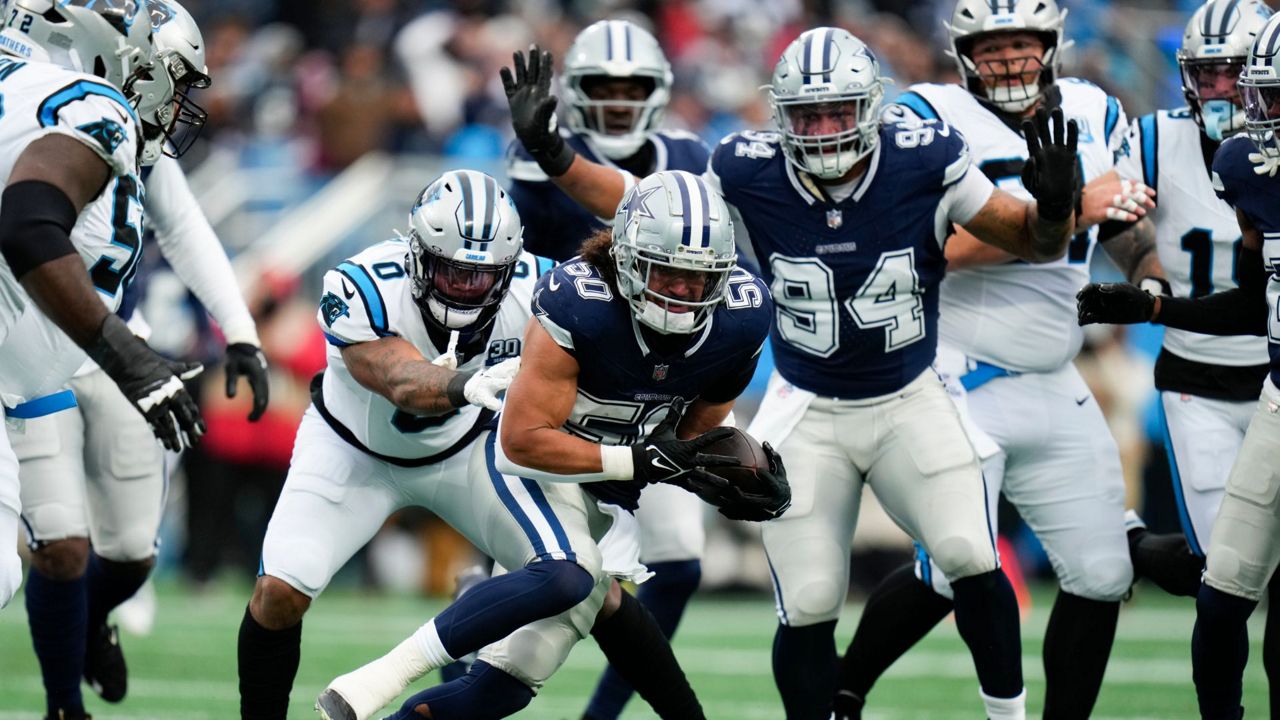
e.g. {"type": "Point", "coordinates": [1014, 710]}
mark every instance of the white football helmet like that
{"type": "Point", "coordinates": [827, 70]}
{"type": "Point", "coordinates": [107, 38]}
{"type": "Point", "coordinates": [670, 228]}
{"type": "Point", "coordinates": [973, 18]}
{"type": "Point", "coordinates": [615, 50]}
{"type": "Point", "coordinates": [170, 127]}
{"type": "Point", "coordinates": [1260, 89]}
{"type": "Point", "coordinates": [464, 241]}
{"type": "Point", "coordinates": [1216, 45]}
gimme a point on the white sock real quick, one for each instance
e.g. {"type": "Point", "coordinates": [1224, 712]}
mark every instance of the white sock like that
{"type": "Point", "coordinates": [1014, 708]}
{"type": "Point", "coordinates": [369, 688]}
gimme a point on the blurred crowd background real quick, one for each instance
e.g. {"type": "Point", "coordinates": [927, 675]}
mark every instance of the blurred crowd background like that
{"type": "Point", "coordinates": [327, 116]}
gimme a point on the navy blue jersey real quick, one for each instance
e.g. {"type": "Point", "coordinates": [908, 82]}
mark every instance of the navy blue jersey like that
{"type": "Point", "coordinates": [1258, 197]}
{"type": "Point", "coordinates": [554, 224]}
{"type": "Point", "coordinates": [630, 379]}
{"type": "Point", "coordinates": [855, 282]}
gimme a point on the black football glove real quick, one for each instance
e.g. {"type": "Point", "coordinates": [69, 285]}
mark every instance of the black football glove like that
{"type": "Point", "coordinates": [247, 360]}
{"type": "Point", "coordinates": [664, 458]}
{"type": "Point", "coordinates": [1114, 303]}
{"type": "Point", "coordinates": [760, 506]}
{"type": "Point", "coordinates": [533, 111]}
{"type": "Point", "coordinates": [152, 383]}
{"type": "Point", "coordinates": [1052, 172]}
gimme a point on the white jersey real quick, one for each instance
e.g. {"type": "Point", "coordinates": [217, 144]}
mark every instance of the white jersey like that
{"type": "Point", "coordinates": [42, 99]}
{"type": "Point", "coordinates": [1017, 315]}
{"type": "Point", "coordinates": [366, 298]}
{"type": "Point", "coordinates": [1196, 232]}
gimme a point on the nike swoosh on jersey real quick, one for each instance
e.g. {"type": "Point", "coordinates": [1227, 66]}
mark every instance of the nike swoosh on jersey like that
{"type": "Point", "coordinates": [552, 284]}
{"type": "Point", "coordinates": [1083, 400]}
{"type": "Point", "coordinates": [348, 292]}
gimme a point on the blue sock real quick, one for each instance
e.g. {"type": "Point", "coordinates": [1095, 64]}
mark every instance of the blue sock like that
{"type": "Point", "coordinates": [1219, 652]}
{"type": "Point", "coordinates": [56, 612]}
{"type": "Point", "coordinates": [498, 606]}
{"type": "Point", "coordinates": [484, 693]}
{"type": "Point", "coordinates": [987, 619]}
{"type": "Point", "coordinates": [804, 668]}
{"type": "Point", "coordinates": [111, 583]}
{"type": "Point", "coordinates": [666, 595]}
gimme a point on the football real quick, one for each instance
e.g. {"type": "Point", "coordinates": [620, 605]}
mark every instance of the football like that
{"type": "Point", "coordinates": [750, 457]}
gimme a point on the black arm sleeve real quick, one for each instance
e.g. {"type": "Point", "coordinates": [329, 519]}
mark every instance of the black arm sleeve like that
{"type": "Point", "coordinates": [730, 386]}
{"type": "Point", "coordinates": [1238, 311]}
{"type": "Point", "coordinates": [35, 225]}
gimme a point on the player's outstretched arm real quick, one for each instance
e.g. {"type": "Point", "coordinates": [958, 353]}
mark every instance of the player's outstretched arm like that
{"type": "Point", "coordinates": [190, 245]}
{"type": "Point", "coordinates": [528, 87]}
{"type": "Point", "coordinates": [1239, 311]}
{"type": "Point", "coordinates": [393, 368]}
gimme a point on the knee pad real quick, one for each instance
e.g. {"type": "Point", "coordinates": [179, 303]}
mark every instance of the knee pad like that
{"type": "Point", "coordinates": [959, 557]}
{"type": "Point", "coordinates": [810, 576]}
{"type": "Point", "coordinates": [533, 653]}
{"type": "Point", "coordinates": [134, 545]}
{"type": "Point", "coordinates": [1105, 579]}
{"type": "Point", "coordinates": [565, 580]}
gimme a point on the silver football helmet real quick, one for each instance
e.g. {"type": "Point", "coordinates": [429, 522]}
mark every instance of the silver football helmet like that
{"type": "Point", "coordinates": [1000, 82]}
{"type": "Point", "coordinates": [465, 237]}
{"type": "Point", "coordinates": [1214, 50]}
{"type": "Point", "coordinates": [1260, 89]}
{"type": "Point", "coordinates": [672, 233]}
{"type": "Point", "coordinates": [107, 38]}
{"type": "Point", "coordinates": [616, 50]}
{"type": "Point", "coordinates": [172, 125]}
{"type": "Point", "coordinates": [825, 94]}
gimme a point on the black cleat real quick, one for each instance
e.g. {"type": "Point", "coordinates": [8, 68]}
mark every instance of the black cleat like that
{"type": "Point", "coordinates": [333, 706]}
{"type": "Point", "coordinates": [65, 715]}
{"type": "Point", "coordinates": [847, 706]}
{"type": "Point", "coordinates": [104, 667]}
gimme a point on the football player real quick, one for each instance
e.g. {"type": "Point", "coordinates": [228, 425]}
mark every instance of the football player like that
{"type": "Point", "coordinates": [1244, 544]}
{"type": "Point", "coordinates": [70, 139]}
{"type": "Point", "coordinates": [1208, 386]}
{"type": "Point", "coordinates": [93, 472]}
{"type": "Point", "coordinates": [1007, 338]}
{"type": "Point", "coordinates": [616, 83]}
{"type": "Point", "coordinates": [635, 355]}
{"type": "Point", "coordinates": [848, 217]}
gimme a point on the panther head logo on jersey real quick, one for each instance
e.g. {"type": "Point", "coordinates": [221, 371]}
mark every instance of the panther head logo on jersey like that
{"type": "Point", "coordinates": [108, 133]}
{"type": "Point", "coordinates": [333, 307]}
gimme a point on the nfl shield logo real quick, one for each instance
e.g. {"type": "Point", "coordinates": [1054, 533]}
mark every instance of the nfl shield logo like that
{"type": "Point", "coordinates": [660, 372]}
{"type": "Point", "coordinates": [835, 219]}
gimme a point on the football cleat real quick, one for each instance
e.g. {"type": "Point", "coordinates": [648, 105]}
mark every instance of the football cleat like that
{"type": "Point", "coordinates": [64, 715]}
{"type": "Point", "coordinates": [104, 667]}
{"type": "Point", "coordinates": [333, 706]}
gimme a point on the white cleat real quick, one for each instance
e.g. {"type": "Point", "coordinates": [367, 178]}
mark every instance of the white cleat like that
{"type": "Point", "coordinates": [361, 693]}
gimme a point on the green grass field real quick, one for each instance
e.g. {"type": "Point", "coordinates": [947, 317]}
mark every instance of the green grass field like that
{"type": "Point", "coordinates": [186, 669]}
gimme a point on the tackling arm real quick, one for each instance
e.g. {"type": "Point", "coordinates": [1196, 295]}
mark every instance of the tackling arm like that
{"type": "Point", "coordinates": [393, 368]}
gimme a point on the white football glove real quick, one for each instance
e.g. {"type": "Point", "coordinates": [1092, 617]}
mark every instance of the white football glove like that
{"type": "Point", "coordinates": [1265, 165]}
{"type": "Point", "coordinates": [484, 387]}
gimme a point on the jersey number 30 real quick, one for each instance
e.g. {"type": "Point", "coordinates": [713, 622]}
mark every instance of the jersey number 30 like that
{"type": "Point", "coordinates": [807, 308]}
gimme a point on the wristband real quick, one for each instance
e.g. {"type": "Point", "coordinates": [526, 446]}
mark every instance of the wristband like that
{"type": "Point", "coordinates": [617, 463]}
{"type": "Point", "coordinates": [455, 392]}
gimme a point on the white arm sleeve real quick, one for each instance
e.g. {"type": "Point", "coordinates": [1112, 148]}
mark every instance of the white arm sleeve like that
{"type": "Point", "coordinates": [966, 196]}
{"type": "Point", "coordinates": [610, 460]}
{"type": "Point", "coordinates": [192, 248]}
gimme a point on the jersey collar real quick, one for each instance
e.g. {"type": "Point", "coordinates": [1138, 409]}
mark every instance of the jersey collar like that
{"type": "Point", "coordinates": [812, 191]}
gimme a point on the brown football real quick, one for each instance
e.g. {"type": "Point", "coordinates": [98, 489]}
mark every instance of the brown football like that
{"type": "Point", "coordinates": [750, 457]}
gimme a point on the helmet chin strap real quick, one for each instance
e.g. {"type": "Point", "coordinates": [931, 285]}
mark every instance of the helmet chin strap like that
{"type": "Point", "coordinates": [451, 318]}
{"type": "Point", "coordinates": [665, 321]}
